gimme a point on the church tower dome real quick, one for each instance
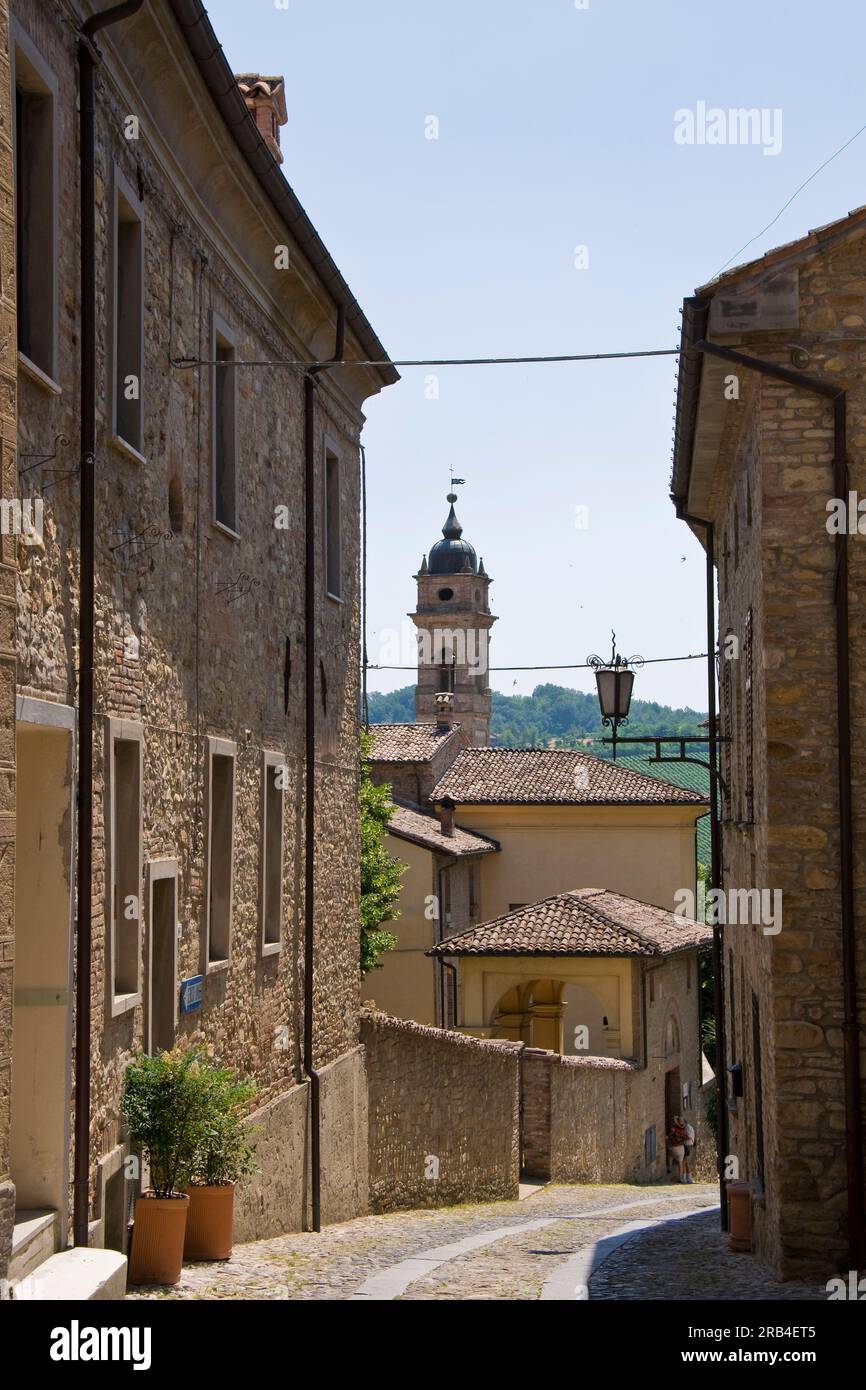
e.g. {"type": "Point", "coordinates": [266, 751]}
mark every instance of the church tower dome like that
{"type": "Point", "coordinates": [453, 619]}
{"type": "Point", "coordinates": [452, 555]}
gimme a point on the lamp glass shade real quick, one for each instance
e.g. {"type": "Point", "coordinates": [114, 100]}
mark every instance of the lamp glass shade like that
{"type": "Point", "coordinates": [614, 691]}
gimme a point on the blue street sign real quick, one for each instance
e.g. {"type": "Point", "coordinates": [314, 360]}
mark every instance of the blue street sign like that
{"type": "Point", "coordinates": [191, 994]}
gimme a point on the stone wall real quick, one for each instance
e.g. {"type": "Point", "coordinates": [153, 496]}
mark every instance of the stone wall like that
{"type": "Point", "coordinates": [8, 488]}
{"type": "Point", "coordinates": [597, 1120]}
{"type": "Point", "coordinates": [440, 1104]}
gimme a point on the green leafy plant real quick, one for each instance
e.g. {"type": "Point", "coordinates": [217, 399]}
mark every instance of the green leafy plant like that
{"type": "Point", "coordinates": [165, 1106]}
{"type": "Point", "coordinates": [381, 872]}
{"type": "Point", "coordinates": [224, 1152]}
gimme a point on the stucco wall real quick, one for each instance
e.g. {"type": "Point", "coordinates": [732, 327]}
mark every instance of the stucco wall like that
{"type": "Point", "coordinates": [646, 853]}
{"type": "Point", "coordinates": [276, 1198]}
{"type": "Point", "coordinates": [425, 1115]}
{"type": "Point", "coordinates": [405, 983]}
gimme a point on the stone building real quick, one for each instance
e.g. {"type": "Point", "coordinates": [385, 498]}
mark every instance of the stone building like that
{"type": "Point", "coordinates": [8, 560]}
{"type": "Point", "coordinates": [768, 468]}
{"type": "Point", "coordinates": [218, 491]}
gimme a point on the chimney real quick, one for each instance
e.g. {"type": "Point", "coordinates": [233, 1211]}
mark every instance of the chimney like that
{"type": "Point", "coordinates": [444, 711]}
{"type": "Point", "coordinates": [266, 99]}
{"type": "Point", "coordinates": [446, 809]}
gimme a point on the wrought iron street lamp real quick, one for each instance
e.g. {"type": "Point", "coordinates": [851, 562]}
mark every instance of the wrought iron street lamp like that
{"type": "Point", "coordinates": [614, 680]}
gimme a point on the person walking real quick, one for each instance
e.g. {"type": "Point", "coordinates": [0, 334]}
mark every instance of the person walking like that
{"type": "Point", "coordinates": [677, 1142]}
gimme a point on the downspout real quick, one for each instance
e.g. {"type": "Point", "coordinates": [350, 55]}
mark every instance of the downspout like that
{"type": "Point", "coordinates": [722, 1127]}
{"type": "Point", "coordinates": [310, 1069]}
{"type": "Point", "coordinates": [89, 59]}
{"type": "Point", "coordinates": [850, 1025]}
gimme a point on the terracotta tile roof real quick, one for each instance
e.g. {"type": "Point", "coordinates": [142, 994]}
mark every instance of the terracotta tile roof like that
{"type": "Point", "coordinates": [563, 776]}
{"type": "Point", "coordinates": [412, 823]}
{"type": "Point", "coordinates": [584, 922]}
{"type": "Point", "coordinates": [408, 743]}
{"type": "Point", "coordinates": [851, 224]}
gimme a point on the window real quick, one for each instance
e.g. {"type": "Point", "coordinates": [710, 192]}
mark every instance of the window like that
{"type": "Point", "coordinates": [35, 207]}
{"type": "Point", "coordinates": [273, 804]}
{"type": "Point", "coordinates": [757, 1068]}
{"type": "Point", "coordinates": [749, 721]}
{"type": "Point", "coordinates": [649, 1146]}
{"type": "Point", "coordinates": [224, 394]}
{"type": "Point", "coordinates": [127, 314]}
{"type": "Point", "coordinates": [221, 831]}
{"type": "Point", "coordinates": [333, 526]}
{"type": "Point", "coordinates": [123, 879]}
{"type": "Point", "coordinates": [161, 1024]}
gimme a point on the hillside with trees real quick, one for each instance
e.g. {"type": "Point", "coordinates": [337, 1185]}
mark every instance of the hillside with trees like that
{"type": "Point", "coordinates": [551, 717]}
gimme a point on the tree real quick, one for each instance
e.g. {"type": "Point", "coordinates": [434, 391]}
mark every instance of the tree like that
{"type": "Point", "coordinates": [381, 872]}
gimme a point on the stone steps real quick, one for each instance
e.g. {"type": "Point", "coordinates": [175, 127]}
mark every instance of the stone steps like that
{"type": "Point", "coordinates": [76, 1275]}
{"type": "Point", "coordinates": [34, 1240]}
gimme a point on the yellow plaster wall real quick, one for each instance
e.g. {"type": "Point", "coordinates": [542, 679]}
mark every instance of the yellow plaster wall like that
{"type": "Point", "coordinates": [405, 984]}
{"type": "Point", "coordinates": [645, 852]}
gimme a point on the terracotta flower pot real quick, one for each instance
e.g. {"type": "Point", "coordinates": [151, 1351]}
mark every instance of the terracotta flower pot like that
{"type": "Point", "coordinates": [739, 1215]}
{"type": "Point", "coordinates": [210, 1226]}
{"type": "Point", "coordinates": [157, 1240]}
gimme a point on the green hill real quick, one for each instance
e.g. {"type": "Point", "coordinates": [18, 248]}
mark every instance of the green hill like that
{"type": "Point", "coordinates": [551, 717]}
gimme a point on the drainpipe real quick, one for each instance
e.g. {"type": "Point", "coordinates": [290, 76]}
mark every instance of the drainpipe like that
{"type": "Point", "coordinates": [723, 1128]}
{"type": "Point", "coordinates": [850, 1025]}
{"type": "Point", "coordinates": [89, 59]}
{"type": "Point", "coordinates": [310, 1069]}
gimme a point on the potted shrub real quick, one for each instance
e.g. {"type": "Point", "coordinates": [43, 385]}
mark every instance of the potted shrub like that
{"type": "Point", "coordinates": [164, 1108]}
{"type": "Point", "coordinates": [224, 1155]}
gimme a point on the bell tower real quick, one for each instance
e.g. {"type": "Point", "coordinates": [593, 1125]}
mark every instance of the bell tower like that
{"type": "Point", "coordinates": [453, 619]}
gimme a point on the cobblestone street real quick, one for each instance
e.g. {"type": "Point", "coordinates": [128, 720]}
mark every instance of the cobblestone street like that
{"type": "Point", "coordinates": [604, 1243]}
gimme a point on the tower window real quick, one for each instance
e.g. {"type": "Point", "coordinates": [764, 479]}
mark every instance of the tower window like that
{"type": "Point", "coordinates": [446, 594]}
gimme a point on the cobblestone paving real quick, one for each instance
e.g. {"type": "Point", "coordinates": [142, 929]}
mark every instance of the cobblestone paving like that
{"type": "Point", "coordinates": [336, 1263]}
{"type": "Point", "coordinates": [690, 1260]}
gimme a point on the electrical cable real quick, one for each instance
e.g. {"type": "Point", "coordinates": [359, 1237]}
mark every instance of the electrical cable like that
{"type": "Point", "coordinates": [188, 363]}
{"type": "Point", "coordinates": [566, 666]}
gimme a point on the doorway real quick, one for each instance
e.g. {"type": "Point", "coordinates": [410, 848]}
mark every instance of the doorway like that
{"type": "Point", "coordinates": [42, 1019]}
{"type": "Point", "coordinates": [673, 1105]}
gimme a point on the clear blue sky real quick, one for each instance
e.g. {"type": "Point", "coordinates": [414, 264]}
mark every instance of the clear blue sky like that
{"type": "Point", "coordinates": [556, 130]}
